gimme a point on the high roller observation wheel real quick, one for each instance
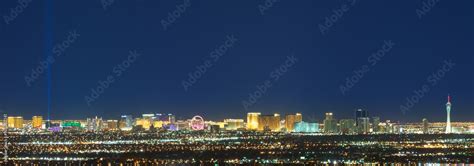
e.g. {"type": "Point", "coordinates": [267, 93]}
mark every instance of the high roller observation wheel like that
{"type": "Point", "coordinates": [197, 123]}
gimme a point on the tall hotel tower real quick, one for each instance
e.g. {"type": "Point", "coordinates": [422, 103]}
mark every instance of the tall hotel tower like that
{"type": "Point", "coordinates": [448, 110]}
{"type": "Point", "coordinates": [252, 120]}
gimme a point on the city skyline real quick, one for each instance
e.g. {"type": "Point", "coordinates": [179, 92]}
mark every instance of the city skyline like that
{"type": "Point", "coordinates": [361, 123]}
{"type": "Point", "coordinates": [252, 117]}
{"type": "Point", "coordinates": [312, 116]}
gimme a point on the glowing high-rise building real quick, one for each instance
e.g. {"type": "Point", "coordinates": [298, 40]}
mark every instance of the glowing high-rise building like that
{"type": "Point", "coordinates": [360, 113]}
{"type": "Point", "coordinates": [252, 120]}
{"type": "Point", "coordinates": [11, 122]}
{"type": "Point", "coordinates": [364, 125]}
{"type": "Point", "coordinates": [269, 122]}
{"type": "Point", "coordinates": [126, 122]}
{"type": "Point", "coordinates": [347, 126]}
{"type": "Point", "coordinates": [15, 122]}
{"type": "Point", "coordinates": [37, 122]}
{"type": "Point", "coordinates": [112, 125]}
{"type": "Point", "coordinates": [330, 124]}
{"type": "Point", "coordinates": [94, 124]}
{"type": "Point", "coordinates": [375, 124]}
{"type": "Point", "coordinates": [158, 124]}
{"type": "Point", "coordinates": [448, 119]}
{"type": "Point", "coordinates": [290, 121]}
{"type": "Point", "coordinates": [171, 118]}
{"type": "Point", "coordinates": [145, 123]}
{"type": "Point", "coordinates": [426, 126]}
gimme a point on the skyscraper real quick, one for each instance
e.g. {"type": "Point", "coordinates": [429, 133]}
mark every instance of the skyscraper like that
{"type": "Point", "coordinates": [126, 122]}
{"type": "Point", "coordinates": [171, 118]}
{"type": "Point", "coordinates": [362, 121]}
{"type": "Point", "coordinates": [360, 113]}
{"type": "Point", "coordinates": [94, 124]}
{"type": "Point", "coordinates": [112, 124]}
{"type": "Point", "coordinates": [37, 122]}
{"type": "Point", "coordinates": [145, 123]}
{"type": "Point", "coordinates": [162, 120]}
{"type": "Point", "coordinates": [269, 122]}
{"type": "Point", "coordinates": [347, 126]}
{"type": "Point", "coordinates": [290, 121]}
{"type": "Point", "coordinates": [375, 124]}
{"type": "Point", "coordinates": [330, 124]}
{"type": "Point", "coordinates": [363, 125]}
{"type": "Point", "coordinates": [252, 120]}
{"type": "Point", "coordinates": [426, 126]}
{"type": "Point", "coordinates": [448, 119]}
{"type": "Point", "coordinates": [15, 122]}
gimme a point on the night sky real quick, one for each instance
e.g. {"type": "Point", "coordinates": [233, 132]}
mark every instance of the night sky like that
{"type": "Point", "coordinates": [107, 31]}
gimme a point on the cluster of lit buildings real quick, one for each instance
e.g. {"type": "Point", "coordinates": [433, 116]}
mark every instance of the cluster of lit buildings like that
{"type": "Point", "coordinates": [148, 137]}
{"type": "Point", "coordinates": [290, 123]}
{"type": "Point", "coordinates": [361, 123]}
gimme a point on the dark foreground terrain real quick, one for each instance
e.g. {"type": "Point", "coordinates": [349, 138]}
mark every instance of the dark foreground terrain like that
{"type": "Point", "coordinates": [190, 148]}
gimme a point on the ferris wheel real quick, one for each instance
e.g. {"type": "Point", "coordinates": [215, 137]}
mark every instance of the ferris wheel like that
{"type": "Point", "coordinates": [197, 123]}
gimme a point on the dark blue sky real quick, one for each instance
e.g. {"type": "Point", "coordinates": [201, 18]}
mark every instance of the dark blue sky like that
{"type": "Point", "coordinates": [153, 83]}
